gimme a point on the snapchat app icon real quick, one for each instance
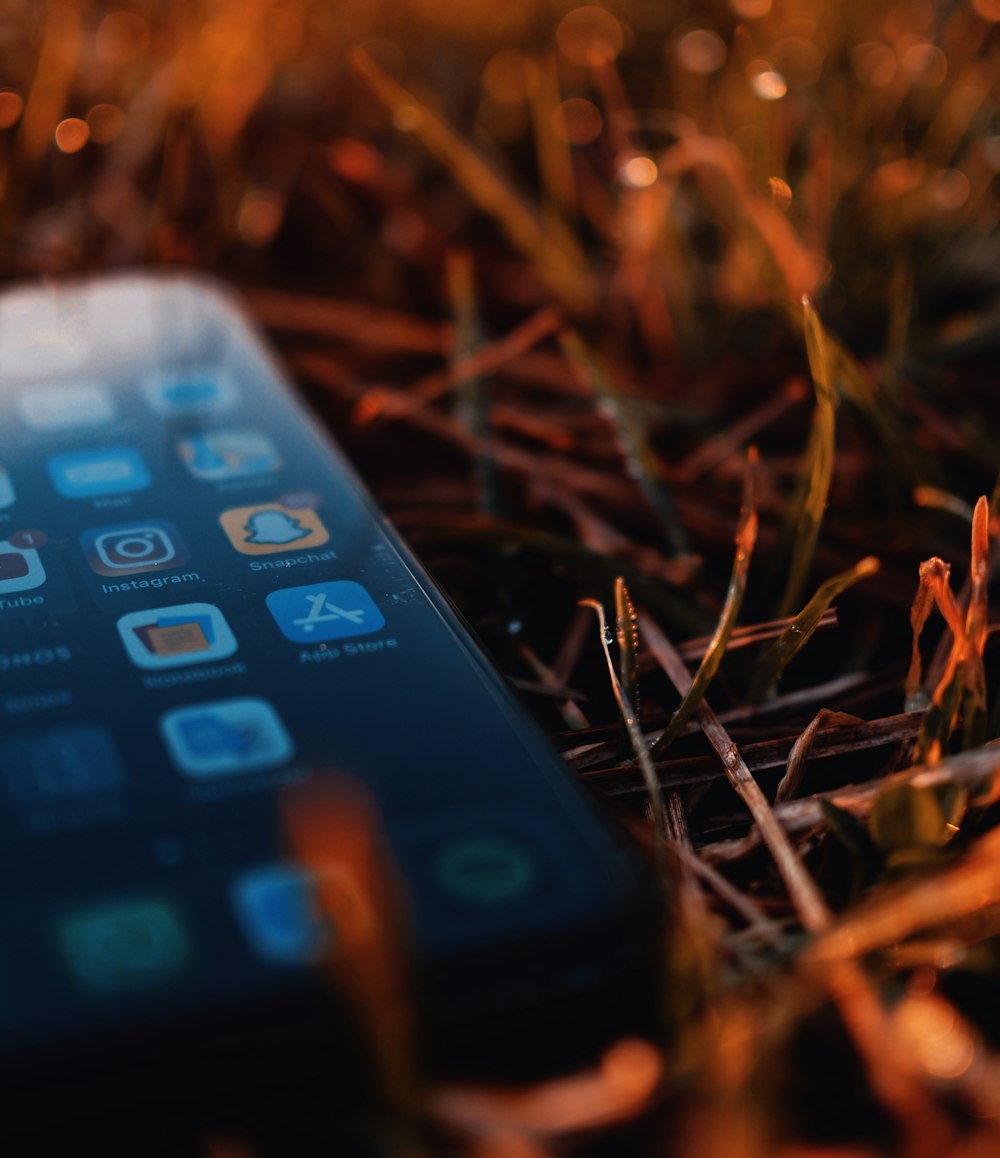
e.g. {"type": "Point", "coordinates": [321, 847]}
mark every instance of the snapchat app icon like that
{"type": "Point", "coordinates": [268, 528]}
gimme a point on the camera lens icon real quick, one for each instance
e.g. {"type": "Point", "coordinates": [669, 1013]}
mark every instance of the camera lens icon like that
{"type": "Point", "coordinates": [125, 550]}
{"type": "Point", "coordinates": [122, 550]}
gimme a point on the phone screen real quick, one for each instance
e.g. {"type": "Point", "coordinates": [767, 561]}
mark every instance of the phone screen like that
{"type": "Point", "coordinates": [198, 608]}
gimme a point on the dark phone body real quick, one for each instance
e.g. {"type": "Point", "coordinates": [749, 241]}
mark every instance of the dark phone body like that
{"type": "Point", "coordinates": [214, 609]}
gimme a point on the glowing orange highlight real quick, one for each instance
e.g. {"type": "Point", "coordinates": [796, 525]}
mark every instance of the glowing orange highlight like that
{"type": "Point", "coordinates": [71, 135]}
{"type": "Point", "coordinates": [105, 122]}
{"type": "Point", "coordinates": [639, 172]}
{"type": "Point", "coordinates": [11, 107]}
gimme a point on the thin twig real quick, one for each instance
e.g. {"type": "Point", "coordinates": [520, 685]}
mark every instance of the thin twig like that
{"type": "Point", "coordinates": [808, 902]}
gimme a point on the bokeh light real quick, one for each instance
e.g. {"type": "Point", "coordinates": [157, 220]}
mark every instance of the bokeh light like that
{"type": "Point", "coordinates": [874, 63]}
{"type": "Point", "coordinates": [510, 77]}
{"type": "Point", "coordinates": [577, 121]}
{"type": "Point", "coordinates": [936, 1038]}
{"type": "Point", "coordinates": [71, 135]}
{"type": "Point", "coordinates": [701, 51]}
{"type": "Point", "coordinates": [121, 37]}
{"type": "Point", "coordinates": [11, 107]}
{"type": "Point", "coordinates": [766, 82]}
{"type": "Point", "coordinates": [639, 172]}
{"type": "Point", "coordinates": [259, 218]}
{"type": "Point", "coordinates": [750, 9]}
{"type": "Point", "coordinates": [589, 36]}
{"type": "Point", "coordinates": [925, 63]}
{"type": "Point", "coordinates": [105, 122]}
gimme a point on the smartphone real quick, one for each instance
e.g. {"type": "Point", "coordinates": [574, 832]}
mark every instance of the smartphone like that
{"type": "Point", "coordinates": [202, 609]}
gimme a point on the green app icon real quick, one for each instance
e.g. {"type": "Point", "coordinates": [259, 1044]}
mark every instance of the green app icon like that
{"type": "Point", "coordinates": [485, 869]}
{"type": "Point", "coordinates": [123, 946]}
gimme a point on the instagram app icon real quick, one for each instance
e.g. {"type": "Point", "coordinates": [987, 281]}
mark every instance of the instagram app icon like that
{"type": "Point", "coordinates": [152, 545]}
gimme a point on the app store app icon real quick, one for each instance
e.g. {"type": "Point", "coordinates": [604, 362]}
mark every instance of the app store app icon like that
{"type": "Point", "coordinates": [322, 611]}
{"type": "Point", "coordinates": [130, 548]}
{"type": "Point", "coordinates": [176, 636]}
{"type": "Point", "coordinates": [226, 738]}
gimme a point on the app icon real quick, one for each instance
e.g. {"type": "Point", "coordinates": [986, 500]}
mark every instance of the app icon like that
{"type": "Point", "coordinates": [175, 636]}
{"type": "Point", "coordinates": [199, 391]}
{"type": "Point", "coordinates": [276, 910]}
{"type": "Point", "coordinates": [226, 737]}
{"type": "Point", "coordinates": [217, 455]}
{"type": "Point", "coordinates": [484, 869]}
{"type": "Point", "coordinates": [20, 568]}
{"type": "Point", "coordinates": [271, 527]}
{"type": "Point", "coordinates": [124, 946]}
{"type": "Point", "coordinates": [126, 549]}
{"type": "Point", "coordinates": [322, 611]}
{"type": "Point", "coordinates": [67, 407]}
{"type": "Point", "coordinates": [7, 495]}
{"type": "Point", "coordinates": [43, 767]}
{"type": "Point", "coordinates": [88, 474]}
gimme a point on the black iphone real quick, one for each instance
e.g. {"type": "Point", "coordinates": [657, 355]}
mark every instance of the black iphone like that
{"type": "Point", "coordinates": [201, 610]}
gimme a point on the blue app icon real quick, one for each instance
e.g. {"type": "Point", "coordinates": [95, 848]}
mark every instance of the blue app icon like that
{"type": "Point", "coordinates": [89, 474]}
{"type": "Point", "coordinates": [217, 455]}
{"type": "Point", "coordinates": [60, 764]}
{"type": "Point", "coordinates": [226, 738]}
{"type": "Point", "coordinates": [275, 907]}
{"type": "Point", "coordinates": [196, 391]}
{"type": "Point", "coordinates": [322, 611]}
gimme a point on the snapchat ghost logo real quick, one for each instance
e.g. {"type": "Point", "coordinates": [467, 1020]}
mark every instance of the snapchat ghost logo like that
{"type": "Point", "coordinates": [274, 527]}
{"type": "Point", "coordinates": [271, 527]}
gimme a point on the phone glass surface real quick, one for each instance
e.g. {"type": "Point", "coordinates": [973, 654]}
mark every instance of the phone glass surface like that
{"type": "Point", "coordinates": [199, 607]}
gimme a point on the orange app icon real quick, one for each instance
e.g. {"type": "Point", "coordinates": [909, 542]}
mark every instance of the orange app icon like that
{"type": "Point", "coordinates": [267, 528]}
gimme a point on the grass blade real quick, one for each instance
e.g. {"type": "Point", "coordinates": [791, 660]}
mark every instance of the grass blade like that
{"type": "Point", "coordinates": [642, 463]}
{"type": "Point", "coordinates": [548, 245]}
{"type": "Point", "coordinates": [962, 686]}
{"type": "Point", "coordinates": [807, 512]}
{"type": "Point", "coordinates": [746, 538]}
{"type": "Point", "coordinates": [661, 818]}
{"type": "Point", "coordinates": [472, 390]}
{"type": "Point", "coordinates": [798, 633]}
{"type": "Point", "coordinates": [627, 634]}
